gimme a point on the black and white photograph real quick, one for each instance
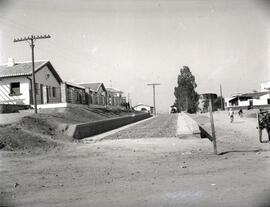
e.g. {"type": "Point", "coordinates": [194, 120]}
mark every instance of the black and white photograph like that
{"type": "Point", "coordinates": [135, 103]}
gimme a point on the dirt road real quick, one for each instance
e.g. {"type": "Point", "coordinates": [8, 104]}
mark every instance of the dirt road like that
{"type": "Point", "coordinates": [167, 171]}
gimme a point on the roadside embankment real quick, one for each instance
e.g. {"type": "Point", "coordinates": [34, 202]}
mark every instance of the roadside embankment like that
{"type": "Point", "coordinates": [46, 130]}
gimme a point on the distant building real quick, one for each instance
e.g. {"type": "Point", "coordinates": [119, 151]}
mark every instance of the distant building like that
{"type": "Point", "coordinates": [249, 100]}
{"type": "Point", "coordinates": [265, 86]}
{"type": "Point", "coordinates": [144, 107]}
{"type": "Point", "coordinates": [97, 93]}
{"type": "Point", "coordinates": [114, 97]}
{"type": "Point", "coordinates": [74, 93]}
{"type": "Point", "coordinates": [204, 102]}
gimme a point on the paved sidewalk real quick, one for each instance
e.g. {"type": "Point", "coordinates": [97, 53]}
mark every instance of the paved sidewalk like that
{"type": "Point", "coordinates": [186, 125]}
{"type": "Point", "coordinates": [182, 126]}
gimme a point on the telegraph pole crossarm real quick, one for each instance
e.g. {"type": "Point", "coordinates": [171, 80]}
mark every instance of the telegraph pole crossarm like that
{"type": "Point", "coordinates": [31, 39]}
{"type": "Point", "coordinates": [154, 95]}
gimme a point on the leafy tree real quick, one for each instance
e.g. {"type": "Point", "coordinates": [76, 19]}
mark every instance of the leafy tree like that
{"type": "Point", "coordinates": [186, 96]}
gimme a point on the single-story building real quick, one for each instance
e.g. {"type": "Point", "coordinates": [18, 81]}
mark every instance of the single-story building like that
{"type": "Point", "coordinates": [265, 86]}
{"type": "Point", "coordinates": [96, 93]}
{"type": "Point", "coordinates": [144, 107]}
{"type": "Point", "coordinates": [75, 94]}
{"type": "Point", "coordinates": [16, 83]}
{"type": "Point", "coordinates": [114, 97]}
{"type": "Point", "coordinates": [249, 99]}
{"type": "Point", "coordinates": [51, 90]}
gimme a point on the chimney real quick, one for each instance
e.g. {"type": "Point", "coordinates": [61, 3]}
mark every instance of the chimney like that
{"type": "Point", "coordinates": [11, 62]}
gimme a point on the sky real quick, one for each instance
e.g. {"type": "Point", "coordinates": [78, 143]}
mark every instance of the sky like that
{"type": "Point", "coordinates": [127, 44]}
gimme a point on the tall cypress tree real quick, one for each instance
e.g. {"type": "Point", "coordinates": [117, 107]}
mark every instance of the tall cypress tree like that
{"type": "Point", "coordinates": [186, 96]}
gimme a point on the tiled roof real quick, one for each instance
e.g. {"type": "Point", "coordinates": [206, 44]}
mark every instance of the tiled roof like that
{"type": "Point", "coordinates": [75, 85]}
{"type": "Point", "coordinates": [114, 90]}
{"type": "Point", "coordinates": [91, 86]}
{"type": "Point", "coordinates": [142, 105]}
{"type": "Point", "coordinates": [20, 69]}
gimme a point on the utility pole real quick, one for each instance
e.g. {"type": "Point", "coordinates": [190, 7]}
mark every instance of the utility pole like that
{"type": "Point", "coordinates": [222, 104]}
{"type": "Point", "coordinates": [128, 98]}
{"type": "Point", "coordinates": [31, 39]}
{"type": "Point", "coordinates": [212, 126]}
{"type": "Point", "coordinates": [154, 95]}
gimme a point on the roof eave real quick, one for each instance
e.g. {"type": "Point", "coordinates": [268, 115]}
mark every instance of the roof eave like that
{"type": "Point", "coordinates": [15, 75]}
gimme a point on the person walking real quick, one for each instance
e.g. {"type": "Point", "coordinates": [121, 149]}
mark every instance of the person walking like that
{"type": "Point", "coordinates": [240, 113]}
{"type": "Point", "coordinates": [231, 115]}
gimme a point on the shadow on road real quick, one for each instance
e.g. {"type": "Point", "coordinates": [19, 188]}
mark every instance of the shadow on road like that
{"type": "Point", "coordinates": [255, 150]}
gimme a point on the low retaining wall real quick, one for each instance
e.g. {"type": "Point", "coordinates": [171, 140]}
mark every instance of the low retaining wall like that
{"type": "Point", "coordinates": [12, 108]}
{"type": "Point", "coordinates": [79, 131]}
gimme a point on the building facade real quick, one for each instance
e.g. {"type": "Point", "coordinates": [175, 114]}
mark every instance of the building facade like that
{"type": "Point", "coordinates": [144, 107]}
{"type": "Point", "coordinates": [16, 87]}
{"type": "Point", "coordinates": [204, 101]}
{"type": "Point", "coordinates": [114, 97]}
{"type": "Point", "coordinates": [96, 93]}
{"type": "Point", "coordinates": [249, 100]}
{"type": "Point", "coordinates": [16, 83]}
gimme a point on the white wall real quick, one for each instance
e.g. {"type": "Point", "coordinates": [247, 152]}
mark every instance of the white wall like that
{"type": "Point", "coordinates": [24, 90]}
{"type": "Point", "coordinates": [261, 101]}
{"type": "Point", "coordinates": [265, 85]}
{"type": "Point", "coordinates": [25, 86]}
{"type": "Point", "coordinates": [139, 108]}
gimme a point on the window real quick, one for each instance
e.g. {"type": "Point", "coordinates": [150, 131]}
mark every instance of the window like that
{"type": "Point", "coordinates": [37, 88]}
{"type": "Point", "coordinates": [49, 91]}
{"type": "Point", "coordinates": [268, 101]}
{"type": "Point", "coordinates": [15, 88]}
{"type": "Point", "coordinates": [53, 91]}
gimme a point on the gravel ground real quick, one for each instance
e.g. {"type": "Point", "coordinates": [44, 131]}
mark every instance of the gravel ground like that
{"type": "Point", "coordinates": [162, 126]}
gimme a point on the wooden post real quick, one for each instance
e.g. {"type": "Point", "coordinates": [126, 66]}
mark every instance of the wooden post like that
{"type": "Point", "coordinates": [213, 127]}
{"type": "Point", "coordinates": [222, 104]}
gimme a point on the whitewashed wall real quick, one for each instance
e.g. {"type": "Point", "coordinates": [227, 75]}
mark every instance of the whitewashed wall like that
{"type": "Point", "coordinates": [43, 76]}
{"type": "Point", "coordinates": [261, 101]}
{"type": "Point", "coordinates": [5, 96]}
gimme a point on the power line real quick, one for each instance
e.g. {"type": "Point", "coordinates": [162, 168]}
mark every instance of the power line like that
{"type": "Point", "coordinates": [30, 40]}
{"type": "Point", "coordinates": [154, 95]}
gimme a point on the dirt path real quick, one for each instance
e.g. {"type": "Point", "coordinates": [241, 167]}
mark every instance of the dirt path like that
{"type": "Point", "coordinates": [137, 172]}
{"type": "Point", "coordinates": [241, 135]}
